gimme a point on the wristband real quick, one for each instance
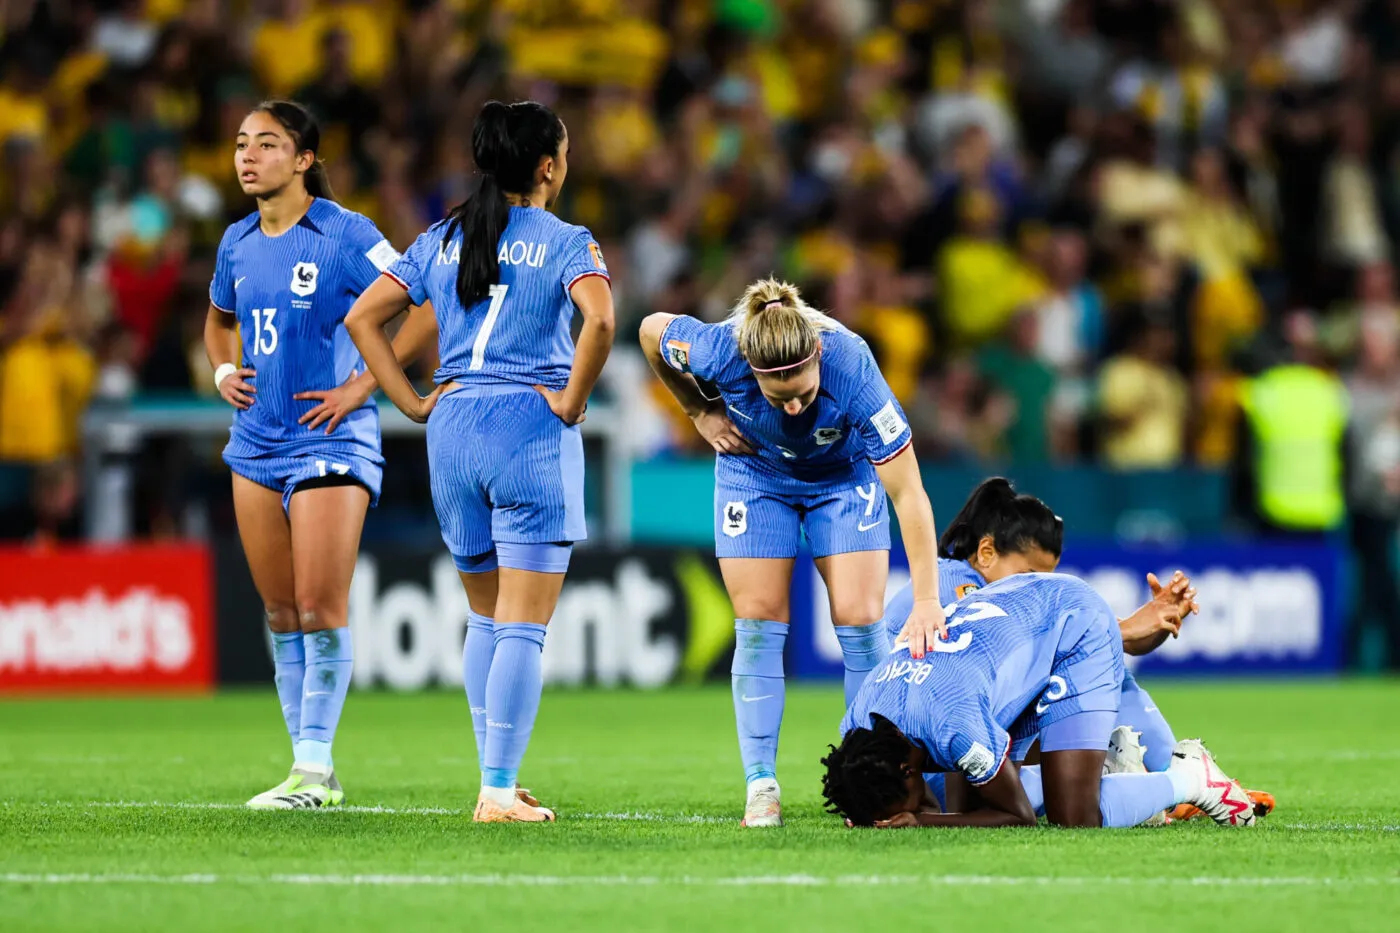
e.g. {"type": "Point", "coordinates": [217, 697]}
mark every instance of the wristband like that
{"type": "Point", "coordinates": [222, 372]}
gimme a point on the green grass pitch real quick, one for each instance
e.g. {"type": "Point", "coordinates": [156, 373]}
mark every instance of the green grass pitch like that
{"type": "Point", "coordinates": [124, 815]}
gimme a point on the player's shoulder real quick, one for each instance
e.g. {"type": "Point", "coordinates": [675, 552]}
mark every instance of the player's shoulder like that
{"type": "Point", "coordinates": [235, 232]}
{"type": "Point", "coordinates": [846, 356]}
{"type": "Point", "coordinates": [337, 220]}
{"type": "Point", "coordinates": [959, 576]}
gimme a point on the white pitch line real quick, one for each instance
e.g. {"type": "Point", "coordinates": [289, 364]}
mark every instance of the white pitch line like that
{"type": "Point", "coordinates": [499, 880]}
{"type": "Point", "coordinates": [619, 816]}
{"type": "Point", "coordinates": [633, 816]}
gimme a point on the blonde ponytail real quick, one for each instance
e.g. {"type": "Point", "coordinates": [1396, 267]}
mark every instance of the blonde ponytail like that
{"type": "Point", "coordinates": [776, 330]}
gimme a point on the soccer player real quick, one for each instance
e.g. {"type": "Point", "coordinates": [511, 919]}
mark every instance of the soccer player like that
{"type": "Point", "coordinates": [816, 441]}
{"type": "Point", "coordinates": [504, 276]}
{"type": "Point", "coordinates": [999, 533]}
{"type": "Point", "coordinates": [1032, 645]}
{"type": "Point", "coordinates": [304, 446]}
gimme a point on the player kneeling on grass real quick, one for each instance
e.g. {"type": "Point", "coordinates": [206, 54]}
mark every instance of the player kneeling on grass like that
{"type": "Point", "coordinates": [999, 532]}
{"type": "Point", "coordinates": [1042, 645]}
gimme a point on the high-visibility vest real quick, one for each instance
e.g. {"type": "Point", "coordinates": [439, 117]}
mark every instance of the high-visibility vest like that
{"type": "Point", "coordinates": [1298, 416]}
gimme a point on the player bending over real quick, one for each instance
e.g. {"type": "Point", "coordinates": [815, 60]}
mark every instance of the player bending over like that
{"type": "Point", "coordinates": [999, 533]}
{"type": "Point", "coordinates": [818, 441]}
{"type": "Point", "coordinates": [1042, 647]}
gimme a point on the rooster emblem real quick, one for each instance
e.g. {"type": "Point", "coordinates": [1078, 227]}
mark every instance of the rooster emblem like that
{"type": "Point", "coordinates": [304, 278]}
{"type": "Point", "coordinates": [736, 519]}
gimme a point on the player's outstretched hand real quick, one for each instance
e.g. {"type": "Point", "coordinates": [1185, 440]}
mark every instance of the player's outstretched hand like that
{"type": "Point", "coordinates": [236, 390]}
{"type": "Point", "coordinates": [716, 428]}
{"type": "Point", "coordinates": [905, 820]}
{"type": "Point", "coordinates": [563, 410]}
{"type": "Point", "coordinates": [1178, 594]}
{"type": "Point", "coordinates": [926, 624]}
{"type": "Point", "coordinates": [1145, 630]}
{"type": "Point", "coordinates": [335, 404]}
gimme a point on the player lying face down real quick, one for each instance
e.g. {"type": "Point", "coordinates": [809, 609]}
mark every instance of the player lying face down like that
{"type": "Point", "coordinates": [1034, 654]}
{"type": "Point", "coordinates": [998, 533]}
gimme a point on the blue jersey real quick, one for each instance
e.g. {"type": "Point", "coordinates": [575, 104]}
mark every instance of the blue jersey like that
{"type": "Point", "coordinates": [1004, 643]}
{"type": "Point", "coordinates": [520, 333]}
{"type": "Point", "coordinates": [956, 578]}
{"type": "Point", "coordinates": [291, 294]}
{"type": "Point", "coordinates": [855, 421]}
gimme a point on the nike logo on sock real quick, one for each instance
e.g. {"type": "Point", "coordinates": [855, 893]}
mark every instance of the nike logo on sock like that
{"type": "Point", "coordinates": [749, 699]}
{"type": "Point", "coordinates": [1149, 709]}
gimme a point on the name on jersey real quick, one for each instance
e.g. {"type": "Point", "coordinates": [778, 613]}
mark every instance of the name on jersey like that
{"type": "Point", "coordinates": [516, 253]}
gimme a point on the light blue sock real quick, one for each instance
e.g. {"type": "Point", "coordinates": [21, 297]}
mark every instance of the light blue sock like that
{"type": "Point", "coordinates": [329, 659]}
{"type": "Point", "coordinates": [1128, 799]}
{"type": "Point", "coordinates": [1137, 710]}
{"type": "Point", "coordinates": [759, 693]}
{"type": "Point", "coordinates": [289, 668]}
{"type": "Point", "coordinates": [477, 652]}
{"type": "Point", "coordinates": [1035, 790]}
{"type": "Point", "coordinates": [512, 700]}
{"type": "Point", "coordinates": [862, 647]}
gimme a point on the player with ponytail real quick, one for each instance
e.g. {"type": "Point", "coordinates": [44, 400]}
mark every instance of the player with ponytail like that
{"type": "Point", "coordinates": [816, 441]}
{"type": "Point", "coordinates": [505, 277]}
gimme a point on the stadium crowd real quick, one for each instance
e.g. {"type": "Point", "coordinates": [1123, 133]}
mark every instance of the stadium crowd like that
{"type": "Point", "coordinates": [1070, 229]}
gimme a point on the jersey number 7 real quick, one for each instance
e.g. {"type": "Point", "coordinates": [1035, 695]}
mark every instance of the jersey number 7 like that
{"type": "Point", "coordinates": [498, 298]}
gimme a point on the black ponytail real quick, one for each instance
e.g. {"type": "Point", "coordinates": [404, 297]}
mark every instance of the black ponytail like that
{"type": "Point", "coordinates": [1015, 522]}
{"type": "Point", "coordinates": [306, 136]}
{"type": "Point", "coordinates": [508, 142]}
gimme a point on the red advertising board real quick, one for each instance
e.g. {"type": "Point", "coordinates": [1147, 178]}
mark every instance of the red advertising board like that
{"type": "Point", "coordinates": [119, 618]}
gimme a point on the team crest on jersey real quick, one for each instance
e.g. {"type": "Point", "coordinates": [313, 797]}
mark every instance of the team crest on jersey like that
{"type": "Point", "coordinates": [596, 252]}
{"type": "Point", "coordinates": [678, 354]}
{"type": "Point", "coordinates": [736, 519]}
{"type": "Point", "coordinates": [304, 278]}
{"type": "Point", "coordinates": [965, 589]}
{"type": "Point", "coordinates": [825, 437]}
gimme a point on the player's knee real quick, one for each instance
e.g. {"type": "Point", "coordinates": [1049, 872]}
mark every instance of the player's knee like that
{"type": "Point", "coordinates": [769, 609]}
{"type": "Point", "coordinates": [281, 617]}
{"type": "Point", "coordinates": [856, 609]}
{"type": "Point", "coordinates": [1076, 817]}
{"type": "Point", "coordinates": [315, 613]}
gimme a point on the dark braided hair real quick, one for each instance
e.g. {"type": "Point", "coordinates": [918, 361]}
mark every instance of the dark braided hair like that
{"type": "Point", "coordinates": [1016, 522]}
{"type": "Point", "coordinates": [865, 777]}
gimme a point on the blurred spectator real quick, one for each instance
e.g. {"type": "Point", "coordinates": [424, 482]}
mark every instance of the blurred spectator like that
{"type": "Point", "coordinates": [983, 281]}
{"type": "Point", "coordinates": [1142, 401]}
{"type": "Point", "coordinates": [1011, 366]}
{"type": "Point", "coordinates": [1292, 457]}
{"type": "Point", "coordinates": [1374, 493]}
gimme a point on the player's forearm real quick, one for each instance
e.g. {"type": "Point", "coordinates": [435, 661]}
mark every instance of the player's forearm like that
{"type": "Point", "coordinates": [902, 480]}
{"type": "Point", "coordinates": [383, 365]}
{"type": "Point", "coordinates": [986, 818]}
{"type": "Point", "coordinates": [595, 342]}
{"type": "Point", "coordinates": [681, 386]}
{"type": "Point", "coordinates": [1140, 632]}
{"type": "Point", "coordinates": [419, 331]}
{"type": "Point", "coordinates": [221, 338]}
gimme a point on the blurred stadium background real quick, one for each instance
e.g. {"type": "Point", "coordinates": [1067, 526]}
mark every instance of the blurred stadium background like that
{"type": "Point", "coordinates": [1136, 254]}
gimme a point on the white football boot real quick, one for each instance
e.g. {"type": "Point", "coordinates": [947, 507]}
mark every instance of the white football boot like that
{"type": "Point", "coordinates": [764, 806]}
